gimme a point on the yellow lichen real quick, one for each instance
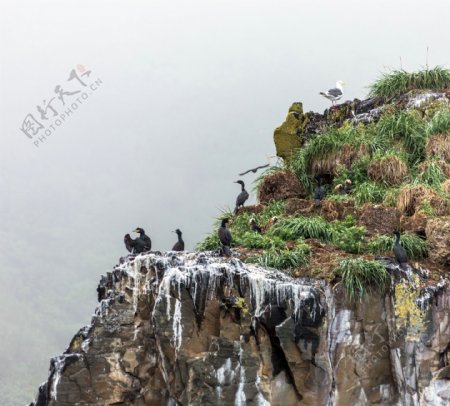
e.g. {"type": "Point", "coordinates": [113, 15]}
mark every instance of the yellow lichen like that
{"type": "Point", "coordinates": [408, 314]}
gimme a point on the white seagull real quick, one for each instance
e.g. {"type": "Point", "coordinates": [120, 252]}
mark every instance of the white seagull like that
{"type": "Point", "coordinates": [334, 94]}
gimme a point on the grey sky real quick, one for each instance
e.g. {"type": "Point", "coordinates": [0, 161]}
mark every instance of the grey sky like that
{"type": "Point", "coordinates": [191, 94]}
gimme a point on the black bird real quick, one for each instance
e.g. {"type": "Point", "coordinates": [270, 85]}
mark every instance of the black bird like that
{"type": "Point", "coordinates": [255, 226]}
{"type": "Point", "coordinates": [135, 246]}
{"type": "Point", "coordinates": [225, 237]}
{"type": "Point", "coordinates": [254, 169]}
{"type": "Point", "coordinates": [400, 253]}
{"type": "Point", "coordinates": [242, 197]}
{"type": "Point", "coordinates": [348, 186]}
{"type": "Point", "coordinates": [144, 238]}
{"type": "Point", "coordinates": [340, 189]}
{"type": "Point", "coordinates": [179, 245]}
{"type": "Point", "coordinates": [319, 192]}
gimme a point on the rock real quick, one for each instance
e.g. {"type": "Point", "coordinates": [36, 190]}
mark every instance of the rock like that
{"type": "Point", "coordinates": [438, 238]}
{"type": "Point", "coordinates": [194, 329]}
{"type": "Point", "coordinates": [281, 185]}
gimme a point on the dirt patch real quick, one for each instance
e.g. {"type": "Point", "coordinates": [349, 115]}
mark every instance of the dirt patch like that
{"type": "Point", "coordinates": [330, 210]}
{"type": "Point", "coordinates": [280, 186]}
{"type": "Point", "coordinates": [297, 206]}
{"type": "Point", "coordinates": [446, 186]}
{"type": "Point", "coordinates": [414, 224]}
{"type": "Point", "coordinates": [438, 146]}
{"type": "Point", "coordinates": [378, 219]}
{"type": "Point", "coordinates": [391, 170]}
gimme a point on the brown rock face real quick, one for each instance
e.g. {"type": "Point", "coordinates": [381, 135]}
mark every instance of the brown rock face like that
{"type": "Point", "coordinates": [438, 238]}
{"type": "Point", "coordinates": [193, 329]}
{"type": "Point", "coordinates": [280, 186]}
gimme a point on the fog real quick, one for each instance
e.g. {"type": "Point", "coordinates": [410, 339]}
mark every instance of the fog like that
{"type": "Point", "coordinates": [187, 95]}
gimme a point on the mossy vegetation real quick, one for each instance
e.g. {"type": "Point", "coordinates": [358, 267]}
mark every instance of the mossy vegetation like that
{"type": "Point", "coordinates": [401, 159]}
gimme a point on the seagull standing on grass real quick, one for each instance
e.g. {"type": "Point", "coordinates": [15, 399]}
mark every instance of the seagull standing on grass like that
{"type": "Point", "coordinates": [334, 94]}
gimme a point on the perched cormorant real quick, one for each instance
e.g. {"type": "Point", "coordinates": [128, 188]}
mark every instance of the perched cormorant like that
{"type": "Point", "coordinates": [242, 197]}
{"type": "Point", "coordinates": [254, 226]}
{"type": "Point", "coordinates": [134, 246]}
{"type": "Point", "coordinates": [348, 186]}
{"type": "Point", "coordinates": [340, 189]}
{"type": "Point", "coordinates": [225, 237]}
{"type": "Point", "coordinates": [319, 192]}
{"type": "Point", "coordinates": [400, 253]}
{"type": "Point", "coordinates": [254, 169]}
{"type": "Point", "coordinates": [179, 245]}
{"type": "Point", "coordinates": [147, 243]}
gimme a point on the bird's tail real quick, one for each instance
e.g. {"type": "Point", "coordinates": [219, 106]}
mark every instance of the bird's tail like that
{"type": "Point", "coordinates": [226, 250]}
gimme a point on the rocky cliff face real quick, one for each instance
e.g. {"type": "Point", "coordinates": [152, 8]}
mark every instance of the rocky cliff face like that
{"type": "Point", "coordinates": [195, 329]}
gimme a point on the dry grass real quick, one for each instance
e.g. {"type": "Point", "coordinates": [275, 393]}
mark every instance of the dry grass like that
{"type": "Point", "coordinates": [438, 146]}
{"type": "Point", "coordinates": [410, 198]}
{"type": "Point", "coordinates": [446, 186]}
{"type": "Point", "coordinates": [345, 156]}
{"type": "Point", "coordinates": [391, 170]}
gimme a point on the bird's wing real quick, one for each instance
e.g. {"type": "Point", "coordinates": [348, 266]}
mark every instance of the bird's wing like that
{"type": "Point", "coordinates": [254, 169]}
{"type": "Point", "coordinates": [334, 92]}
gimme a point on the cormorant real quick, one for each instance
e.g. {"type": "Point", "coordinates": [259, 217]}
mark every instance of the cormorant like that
{"type": "Point", "coordinates": [319, 192]}
{"type": "Point", "coordinates": [146, 241]}
{"type": "Point", "coordinates": [134, 246]}
{"type": "Point", "coordinates": [242, 197]}
{"type": "Point", "coordinates": [179, 245]}
{"type": "Point", "coordinates": [254, 169]}
{"type": "Point", "coordinates": [225, 237]}
{"type": "Point", "coordinates": [340, 189]}
{"type": "Point", "coordinates": [400, 253]}
{"type": "Point", "coordinates": [254, 226]}
{"type": "Point", "coordinates": [348, 186]}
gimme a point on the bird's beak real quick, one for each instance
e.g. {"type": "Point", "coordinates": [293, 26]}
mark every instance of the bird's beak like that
{"type": "Point", "coordinates": [136, 231]}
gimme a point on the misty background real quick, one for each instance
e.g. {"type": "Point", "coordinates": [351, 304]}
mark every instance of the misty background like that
{"type": "Point", "coordinates": [190, 95]}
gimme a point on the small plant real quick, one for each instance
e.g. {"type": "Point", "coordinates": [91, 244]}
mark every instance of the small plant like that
{"type": "Point", "coordinates": [211, 242]}
{"type": "Point", "coordinates": [360, 276]}
{"type": "Point", "coordinates": [347, 236]}
{"type": "Point", "coordinates": [303, 227]}
{"type": "Point", "coordinates": [399, 82]}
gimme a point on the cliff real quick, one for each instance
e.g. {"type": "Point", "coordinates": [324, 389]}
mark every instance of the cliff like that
{"type": "Point", "coordinates": [169, 330]}
{"type": "Point", "coordinates": [312, 311]}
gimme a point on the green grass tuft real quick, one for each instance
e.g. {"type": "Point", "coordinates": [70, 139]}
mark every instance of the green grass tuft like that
{"type": "Point", "coordinates": [440, 123]}
{"type": "Point", "coordinates": [432, 176]}
{"type": "Point", "coordinates": [368, 192]}
{"type": "Point", "coordinates": [303, 227]}
{"type": "Point", "coordinates": [415, 246]}
{"type": "Point", "coordinates": [360, 276]}
{"type": "Point", "coordinates": [283, 259]}
{"type": "Point", "coordinates": [399, 82]}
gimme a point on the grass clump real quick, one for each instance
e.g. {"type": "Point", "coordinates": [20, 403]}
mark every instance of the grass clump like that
{"type": "Point", "coordinates": [390, 170]}
{"type": "Point", "coordinates": [303, 227]}
{"type": "Point", "coordinates": [415, 247]}
{"type": "Point", "coordinates": [432, 174]}
{"type": "Point", "coordinates": [438, 146]}
{"type": "Point", "coordinates": [360, 276]}
{"type": "Point", "coordinates": [399, 82]}
{"type": "Point", "coordinates": [368, 192]}
{"type": "Point", "coordinates": [440, 123]}
{"type": "Point", "coordinates": [347, 236]}
{"type": "Point", "coordinates": [283, 259]}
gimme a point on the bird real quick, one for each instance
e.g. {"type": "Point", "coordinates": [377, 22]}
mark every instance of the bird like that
{"type": "Point", "coordinates": [334, 94]}
{"type": "Point", "coordinates": [400, 253]}
{"type": "Point", "coordinates": [179, 245]}
{"type": "Point", "coordinates": [135, 246]}
{"type": "Point", "coordinates": [254, 169]}
{"type": "Point", "coordinates": [273, 220]}
{"type": "Point", "coordinates": [319, 192]}
{"type": "Point", "coordinates": [242, 197]}
{"type": "Point", "coordinates": [339, 189]}
{"type": "Point", "coordinates": [144, 238]}
{"type": "Point", "coordinates": [254, 226]}
{"type": "Point", "coordinates": [348, 186]}
{"type": "Point", "coordinates": [225, 237]}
